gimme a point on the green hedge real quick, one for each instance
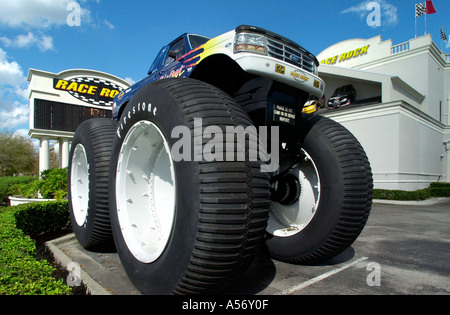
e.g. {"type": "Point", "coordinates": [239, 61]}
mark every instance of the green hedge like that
{"type": "Point", "coordinates": [435, 190]}
{"type": "Point", "coordinates": [43, 218]}
{"type": "Point", "coordinates": [402, 195]}
{"type": "Point", "coordinates": [20, 271]}
{"type": "Point", "coordinates": [440, 189]}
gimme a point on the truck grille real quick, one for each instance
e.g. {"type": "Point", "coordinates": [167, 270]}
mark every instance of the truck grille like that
{"type": "Point", "coordinates": [281, 51]}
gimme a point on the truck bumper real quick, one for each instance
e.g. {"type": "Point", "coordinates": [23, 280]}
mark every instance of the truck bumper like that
{"type": "Point", "coordinates": [281, 71]}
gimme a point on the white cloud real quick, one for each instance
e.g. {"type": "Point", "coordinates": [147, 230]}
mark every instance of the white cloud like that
{"type": "Point", "coordinates": [109, 24]}
{"type": "Point", "coordinates": [36, 13]}
{"type": "Point", "coordinates": [23, 93]}
{"type": "Point", "coordinates": [13, 87]}
{"type": "Point", "coordinates": [17, 116]}
{"type": "Point", "coordinates": [389, 12]}
{"type": "Point", "coordinates": [25, 40]}
{"type": "Point", "coordinates": [22, 133]}
{"type": "Point", "coordinates": [10, 72]}
{"type": "Point", "coordinates": [130, 80]}
{"type": "Point", "coordinates": [44, 43]}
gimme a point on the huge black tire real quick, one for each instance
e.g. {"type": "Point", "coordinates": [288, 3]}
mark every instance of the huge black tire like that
{"type": "Point", "coordinates": [183, 226]}
{"type": "Point", "coordinates": [335, 187]}
{"type": "Point", "coordinates": [88, 183]}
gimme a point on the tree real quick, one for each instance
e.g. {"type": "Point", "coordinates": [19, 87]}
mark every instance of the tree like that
{"type": "Point", "coordinates": [18, 156]}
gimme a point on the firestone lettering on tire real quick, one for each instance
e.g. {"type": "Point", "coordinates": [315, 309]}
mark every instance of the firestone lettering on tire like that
{"type": "Point", "coordinates": [141, 107]}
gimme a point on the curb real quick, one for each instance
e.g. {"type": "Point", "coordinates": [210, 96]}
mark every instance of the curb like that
{"type": "Point", "coordinates": [93, 287]}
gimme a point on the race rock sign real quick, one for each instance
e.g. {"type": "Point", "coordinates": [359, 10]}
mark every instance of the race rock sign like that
{"type": "Point", "coordinates": [94, 91]}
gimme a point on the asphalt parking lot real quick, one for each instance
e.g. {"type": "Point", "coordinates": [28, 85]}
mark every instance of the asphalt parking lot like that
{"type": "Point", "coordinates": [404, 250]}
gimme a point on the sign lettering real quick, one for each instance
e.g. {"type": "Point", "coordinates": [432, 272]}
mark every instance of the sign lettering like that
{"type": "Point", "coordinates": [346, 56]}
{"type": "Point", "coordinates": [90, 90]}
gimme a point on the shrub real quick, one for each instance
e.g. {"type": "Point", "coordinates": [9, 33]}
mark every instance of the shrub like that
{"type": "Point", "coordinates": [28, 190]}
{"type": "Point", "coordinates": [402, 195]}
{"type": "Point", "coordinates": [435, 190]}
{"type": "Point", "coordinates": [20, 272]}
{"type": "Point", "coordinates": [440, 189]}
{"type": "Point", "coordinates": [35, 219]}
{"type": "Point", "coordinates": [7, 182]}
{"type": "Point", "coordinates": [52, 185]}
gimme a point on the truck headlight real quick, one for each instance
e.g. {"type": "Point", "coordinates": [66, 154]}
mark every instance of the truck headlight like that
{"type": "Point", "coordinates": [250, 42]}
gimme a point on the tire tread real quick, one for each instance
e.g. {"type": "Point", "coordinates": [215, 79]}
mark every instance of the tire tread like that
{"type": "Point", "coordinates": [235, 197]}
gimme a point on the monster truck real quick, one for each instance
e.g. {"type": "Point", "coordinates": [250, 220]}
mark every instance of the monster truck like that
{"type": "Point", "coordinates": [186, 205]}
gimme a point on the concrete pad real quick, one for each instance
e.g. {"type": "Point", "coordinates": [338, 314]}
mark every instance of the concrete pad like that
{"type": "Point", "coordinates": [101, 273]}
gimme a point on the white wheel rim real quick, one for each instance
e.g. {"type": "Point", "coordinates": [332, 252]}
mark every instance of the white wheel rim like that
{"type": "Point", "coordinates": [287, 221]}
{"type": "Point", "coordinates": [79, 185]}
{"type": "Point", "coordinates": [145, 191]}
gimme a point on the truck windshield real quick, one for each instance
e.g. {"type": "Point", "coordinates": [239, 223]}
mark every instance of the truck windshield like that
{"type": "Point", "coordinates": [197, 40]}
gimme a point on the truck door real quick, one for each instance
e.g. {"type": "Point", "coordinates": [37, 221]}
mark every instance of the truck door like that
{"type": "Point", "coordinates": [172, 67]}
{"type": "Point", "coordinates": [155, 72]}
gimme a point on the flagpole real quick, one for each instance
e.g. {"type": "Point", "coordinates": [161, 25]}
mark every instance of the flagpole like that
{"type": "Point", "coordinates": [444, 38]}
{"type": "Point", "coordinates": [415, 29]}
{"type": "Point", "coordinates": [425, 19]}
{"type": "Point", "coordinates": [415, 19]}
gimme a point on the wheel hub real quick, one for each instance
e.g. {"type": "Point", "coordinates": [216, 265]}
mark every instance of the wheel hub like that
{"type": "Point", "coordinates": [287, 191]}
{"type": "Point", "coordinates": [79, 185]}
{"type": "Point", "coordinates": [295, 198]}
{"type": "Point", "coordinates": [145, 191]}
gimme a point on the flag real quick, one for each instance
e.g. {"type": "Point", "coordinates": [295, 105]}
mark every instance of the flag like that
{"type": "Point", "coordinates": [443, 36]}
{"type": "Point", "coordinates": [420, 9]}
{"type": "Point", "coordinates": [430, 7]}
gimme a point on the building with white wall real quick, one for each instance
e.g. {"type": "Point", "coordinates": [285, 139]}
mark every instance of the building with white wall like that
{"type": "Point", "coordinates": [402, 110]}
{"type": "Point", "coordinates": [60, 102]}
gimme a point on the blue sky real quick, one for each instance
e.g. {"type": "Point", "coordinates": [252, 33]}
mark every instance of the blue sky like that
{"type": "Point", "coordinates": [123, 37]}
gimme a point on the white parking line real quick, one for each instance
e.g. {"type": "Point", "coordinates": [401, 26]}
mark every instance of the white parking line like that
{"type": "Point", "coordinates": [317, 279]}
